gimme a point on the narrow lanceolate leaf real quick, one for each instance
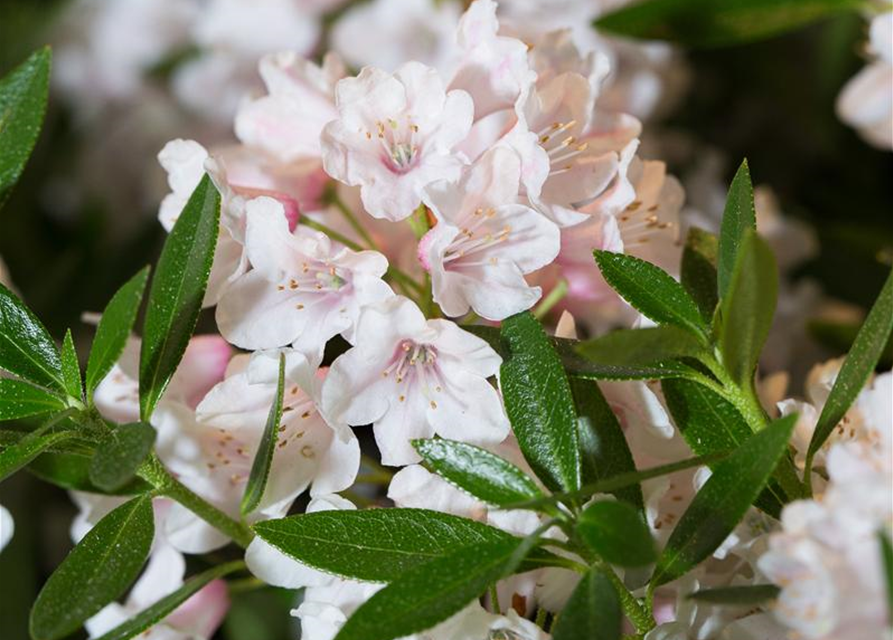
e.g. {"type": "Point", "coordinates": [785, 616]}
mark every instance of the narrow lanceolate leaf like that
{"type": "Point", "coordinates": [19, 399]}
{"type": "Point", "coordinates": [617, 533]}
{"type": "Point", "coordinates": [70, 470]}
{"type": "Point", "coordinates": [178, 288]}
{"type": "Point", "coordinates": [96, 572]}
{"type": "Point", "coordinates": [430, 593]}
{"type": "Point", "coordinates": [23, 101]}
{"type": "Point", "coordinates": [748, 308]}
{"type": "Point", "coordinates": [738, 217]}
{"type": "Point", "coordinates": [25, 450]}
{"type": "Point", "coordinates": [71, 368]}
{"type": "Point", "coordinates": [604, 452]}
{"type": "Point", "coordinates": [539, 403]}
{"type": "Point", "coordinates": [166, 605]}
{"type": "Point", "coordinates": [374, 544]}
{"type": "Point", "coordinates": [114, 329]}
{"type": "Point", "coordinates": [700, 258]}
{"type": "Point", "coordinates": [593, 611]}
{"type": "Point", "coordinates": [26, 348]}
{"type": "Point", "coordinates": [480, 473]}
{"type": "Point", "coordinates": [709, 23]}
{"type": "Point", "coordinates": [857, 367]}
{"type": "Point", "coordinates": [723, 500]}
{"type": "Point", "coordinates": [119, 454]}
{"type": "Point", "coordinates": [263, 459]}
{"type": "Point", "coordinates": [651, 290]}
{"type": "Point", "coordinates": [746, 596]}
{"type": "Point", "coordinates": [887, 560]}
{"type": "Point", "coordinates": [647, 346]}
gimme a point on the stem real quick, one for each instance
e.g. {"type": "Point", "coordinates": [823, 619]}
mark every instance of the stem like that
{"type": "Point", "coordinates": [494, 600]}
{"type": "Point", "coordinates": [334, 235]}
{"type": "Point", "coordinates": [633, 609]}
{"type": "Point", "coordinates": [339, 204]}
{"type": "Point", "coordinates": [555, 296]}
{"type": "Point", "coordinates": [541, 616]}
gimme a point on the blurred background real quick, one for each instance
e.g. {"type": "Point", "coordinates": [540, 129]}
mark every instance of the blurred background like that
{"type": "Point", "coordinates": [130, 75]}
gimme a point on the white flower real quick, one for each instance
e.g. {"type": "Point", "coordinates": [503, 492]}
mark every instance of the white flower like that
{"type": "Point", "coordinates": [7, 527]}
{"type": "Point", "coordinates": [411, 378]}
{"type": "Point", "coordinates": [484, 243]}
{"type": "Point", "coordinates": [302, 288]}
{"type": "Point", "coordinates": [395, 134]}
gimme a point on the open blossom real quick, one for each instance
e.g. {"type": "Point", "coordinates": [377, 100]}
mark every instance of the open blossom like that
{"type": "Point", "coordinates": [395, 134]}
{"type": "Point", "coordinates": [303, 289]}
{"type": "Point", "coordinates": [6, 527]}
{"type": "Point", "coordinates": [484, 241]}
{"type": "Point", "coordinates": [411, 378]}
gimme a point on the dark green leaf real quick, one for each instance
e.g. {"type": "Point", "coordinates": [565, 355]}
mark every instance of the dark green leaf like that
{"type": "Point", "coordinates": [169, 603]}
{"type": "Point", "coordinates": [650, 290]}
{"type": "Point", "coordinates": [263, 459]}
{"type": "Point", "coordinates": [857, 367]}
{"type": "Point", "coordinates": [617, 533]}
{"type": "Point", "coordinates": [177, 291]}
{"type": "Point", "coordinates": [119, 455]}
{"type": "Point", "coordinates": [748, 596]}
{"type": "Point", "coordinates": [539, 403]}
{"type": "Point", "coordinates": [18, 455]}
{"type": "Point", "coordinates": [738, 218]}
{"type": "Point", "coordinates": [634, 347]}
{"type": "Point", "coordinates": [23, 103]}
{"type": "Point", "coordinates": [114, 329]}
{"type": "Point", "coordinates": [71, 368]}
{"type": "Point", "coordinates": [604, 452]}
{"type": "Point", "coordinates": [700, 258]}
{"type": "Point", "coordinates": [484, 475]}
{"type": "Point", "coordinates": [748, 308]}
{"type": "Point", "coordinates": [72, 471]}
{"type": "Point", "coordinates": [96, 572]}
{"type": "Point", "coordinates": [593, 611]}
{"type": "Point", "coordinates": [723, 501]}
{"type": "Point", "coordinates": [713, 23]}
{"type": "Point", "coordinates": [887, 560]}
{"type": "Point", "coordinates": [26, 348]}
{"type": "Point", "coordinates": [19, 399]}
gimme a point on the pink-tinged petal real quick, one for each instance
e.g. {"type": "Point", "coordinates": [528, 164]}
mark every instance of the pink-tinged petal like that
{"type": "Point", "coordinates": [203, 366]}
{"type": "Point", "coordinates": [203, 613]}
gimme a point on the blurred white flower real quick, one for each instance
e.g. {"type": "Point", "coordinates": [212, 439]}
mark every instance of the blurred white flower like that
{"type": "Point", "coordinates": [7, 527]}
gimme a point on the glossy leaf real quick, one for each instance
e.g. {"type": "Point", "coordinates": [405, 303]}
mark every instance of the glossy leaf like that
{"type": "Point", "coordinates": [746, 596]}
{"type": "Point", "coordinates": [723, 501]}
{"type": "Point", "coordinates": [738, 217]}
{"type": "Point", "coordinates": [592, 612]}
{"type": "Point", "coordinates": [650, 290]}
{"type": "Point", "coordinates": [15, 457]}
{"type": "Point", "coordinates": [748, 308]}
{"type": "Point", "coordinates": [604, 452]}
{"type": "Point", "coordinates": [177, 291]}
{"type": "Point", "coordinates": [71, 368]}
{"type": "Point", "coordinates": [26, 348]}
{"type": "Point", "coordinates": [700, 259]}
{"type": "Point", "coordinates": [114, 328]}
{"type": "Point", "coordinates": [480, 473]}
{"type": "Point", "coordinates": [23, 101]}
{"type": "Point", "coordinates": [539, 403]}
{"type": "Point", "coordinates": [96, 572]}
{"type": "Point", "coordinates": [119, 455]}
{"type": "Point", "coordinates": [263, 459]}
{"type": "Point", "coordinates": [19, 399]}
{"type": "Point", "coordinates": [72, 471]}
{"type": "Point", "coordinates": [709, 23]}
{"type": "Point", "coordinates": [646, 346]}
{"type": "Point", "coordinates": [617, 532]}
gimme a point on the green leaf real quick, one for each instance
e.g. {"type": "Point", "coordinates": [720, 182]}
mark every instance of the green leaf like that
{"type": "Point", "coordinates": [700, 258]}
{"type": "Point", "coordinates": [178, 289]}
{"type": "Point", "coordinates": [650, 290]}
{"type": "Point", "coordinates": [96, 572]}
{"type": "Point", "coordinates": [71, 368]}
{"type": "Point", "coordinates": [114, 329]}
{"type": "Point", "coordinates": [604, 452]}
{"type": "Point", "coordinates": [738, 217]}
{"type": "Point", "coordinates": [119, 455]}
{"type": "Point", "coordinates": [617, 533]}
{"type": "Point", "coordinates": [856, 369]}
{"type": "Point", "coordinates": [23, 103]}
{"type": "Point", "coordinates": [592, 612]}
{"type": "Point", "coordinates": [748, 308]}
{"type": "Point", "coordinates": [430, 593]}
{"type": "Point", "coordinates": [648, 346]}
{"type": "Point", "coordinates": [477, 471]}
{"type": "Point", "coordinates": [26, 348]}
{"type": "Point", "coordinates": [710, 23]}
{"type": "Point", "coordinates": [723, 501]}
{"type": "Point", "coordinates": [19, 399]}
{"type": "Point", "coordinates": [25, 450]}
{"type": "Point", "coordinates": [158, 611]}
{"type": "Point", "coordinates": [887, 559]}
{"type": "Point", "coordinates": [539, 403]}
{"type": "Point", "coordinates": [746, 596]}
{"type": "Point", "coordinates": [263, 459]}
{"type": "Point", "coordinates": [72, 471]}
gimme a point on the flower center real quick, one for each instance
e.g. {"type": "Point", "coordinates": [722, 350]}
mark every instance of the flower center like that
{"type": "Point", "coordinates": [318, 277]}
{"type": "Point", "coordinates": [398, 142]}
{"type": "Point", "coordinates": [638, 224]}
{"type": "Point", "coordinates": [503, 634]}
{"type": "Point", "coordinates": [563, 148]}
{"type": "Point", "coordinates": [472, 238]}
{"type": "Point", "coordinates": [415, 365]}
